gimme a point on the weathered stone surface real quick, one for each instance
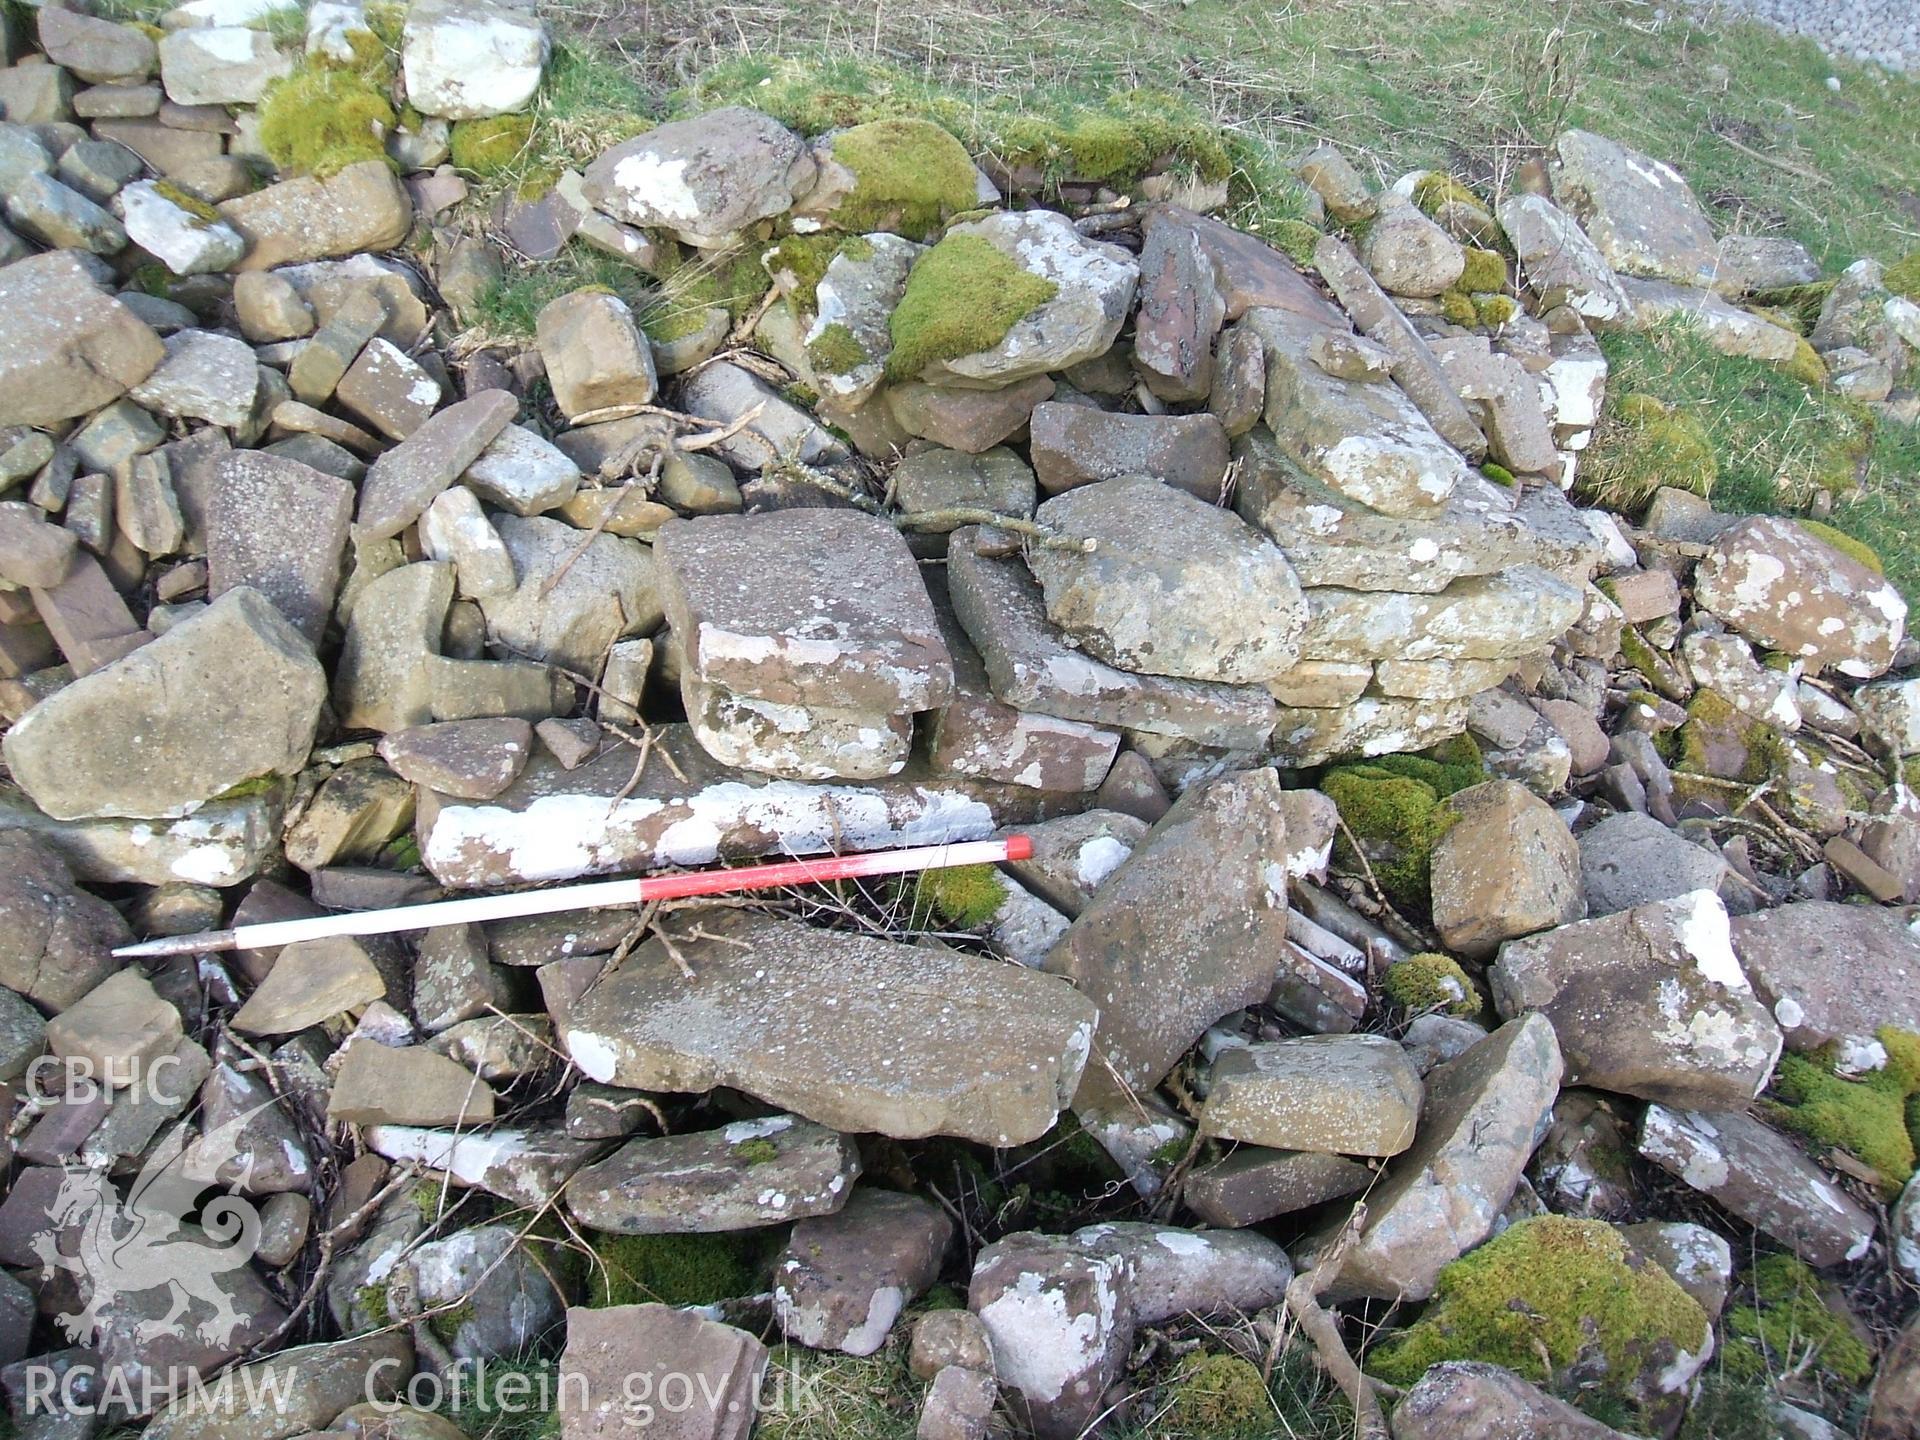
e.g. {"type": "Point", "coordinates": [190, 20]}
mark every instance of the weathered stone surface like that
{"type": "Point", "coordinates": [388, 390]}
{"type": "Point", "coordinates": [740, 1177]}
{"type": "Point", "coordinates": [205, 376]}
{"type": "Point", "coordinates": [609, 591]}
{"type": "Point", "coordinates": [1180, 309]}
{"type": "Point", "coordinates": [1648, 1002]}
{"type": "Point", "coordinates": [554, 824]}
{"type": "Point", "coordinates": [1726, 327]}
{"type": "Point", "coordinates": [1469, 1400]}
{"type": "Point", "coordinates": [521, 472]}
{"type": "Point", "coordinates": [1183, 932]}
{"type": "Point", "coordinates": [795, 742]}
{"type": "Point", "coordinates": [1334, 1094]}
{"type": "Point", "coordinates": [499, 1295]}
{"type": "Point", "coordinates": [1442, 1197]}
{"type": "Point", "coordinates": [1407, 253]}
{"type": "Point", "coordinates": [596, 358]}
{"type": "Point", "coordinates": [56, 941]}
{"type": "Point", "coordinates": [1831, 973]}
{"type": "Point", "coordinates": [1094, 292]}
{"type": "Point", "coordinates": [1061, 1324]}
{"type": "Point", "coordinates": [404, 481]}
{"type": "Point", "coordinates": [232, 694]}
{"type": "Point", "coordinates": [522, 1167]}
{"type": "Point", "coordinates": [1075, 445]}
{"type": "Point", "coordinates": [406, 1085]}
{"type": "Point", "coordinates": [939, 479]}
{"type": "Point", "coordinates": [32, 551]}
{"type": "Point", "coordinates": [968, 420]}
{"type": "Point", "coordinates": [364, 207]}
{"type": "Point", "coordinates": [958, 1406]}
{"type": "Point", "coordinates": [185, 243]}
{"type": "Point", "coordinates": [706, 178]}
{"type": "Point", "coordinates": [1507, 866]}
{"type": "Point", "coordinates": [1700, 1260]}
{"type": "Point", "coordinates": [1630, 858]}
{"type": "Point", "coordinates": [1254, 1184]}
{"type": "Point", "coordinates": [97, 51]}
{"type": "Point", "coordinates": [1487, 617]}
{"type": "Point", "coordinates": [1366, 439]}
{"type": "Point", "coordinates": [220, 65]}
{"type": "Point", "coordinates": [1075, 855]}
{"type": "Point", "coordinates": [770, 427]}
{"type": "Point", "coordinates": [843, 1279]}
{"type": "Point", "coordinates": [622, 1361]}
{"type": "Point", "coordinates": [70, 347]}
{"type": "Point", "coordinates": [854, 304]}
{"type": "Point", "coordinates": [465, 59]}
{"type": "Point", "coordinates": [221, 843]}
{"type": "Point", "coordinates": [466, 759]}
{"type": "Point", "coordinates": [279, 527]}
{"type": "Point", "coordinates": [1783, 588]}
{"type": "Point", "coordinates": [1174, 586]}
{"type": "Point", "coordinates": [1031, 667]}
{"type": "Point", "coordinates": [804, 607]}
{"type": "Point", "coordinates": [1762, 1177]}
{"type": "Point", "coordinates": [1560, 264]}
{"type": "Point", "coordinates": [788, 1014]}
{"type": "Point", "coordinates": [1639, 212]}
{"type": "Point", "coordinates": [383, 680]}
{"type": "Point", "coordinates": [1181, 1272]}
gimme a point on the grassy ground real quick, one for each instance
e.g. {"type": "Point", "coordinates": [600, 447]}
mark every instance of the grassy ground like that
{"type": "Point", "coordinates": [1468, 85]}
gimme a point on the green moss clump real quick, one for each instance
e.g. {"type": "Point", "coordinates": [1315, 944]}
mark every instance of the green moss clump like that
{"type": "Point", "coordinates": [965, 896]}
{"type": "Point", "coordinates": [1221, 1397]}
{"type": "Point", "coordinates": [801, 261]}
{"type": "Point", "coordinates": [1642, 446]}
{"type": "Point", "coordinates": [489, 146]}
{"type": "Point", "coordinates": [196, 207]}
{"type": "Point", "coordinates": [1867, 1117]}
{"type": "Point", "coordinates": [1392, 805]}
{"type": "Point", "coordinates": [1495, 310]}
{"type": "Point", "coordinates": [1805, 365]}
{"type": "Point", "coordinates": [677, 1269]}
{"type": "Point", "coordinates": [757, 1151]}
{"type": "Point", "coordinates": [1430, 982]}
{"type": "Point", "coordinates": [1784, 1319]}
{"type": "Point", "coordinates": [1296, 239]}
{"type": "Point", "coordinates": [836, 350]}
{"type": "Point", "coordinates": [1457, 308]}
{"type": "Point", "coordinates": [1554, 1290]}
{"type": "Point", "coordinates": [962, 297]}
{"type": "Point", "coordinates": [371, 1301]}
{"type": "Point", "coordinates": [909, 177]}
{"type": "Point", "coordinates": [1486, 271]}
{"type": "Point", "coordinates": [1434, 190]}
{"type": "Point", "coordinates": [318, 121]}
{"type": "Point", "coordinates": [1853, 549]}
{"type": "Point", "coordinates": [1498, 474]}
{"type": "Point", "coordinates": [1903, 276]}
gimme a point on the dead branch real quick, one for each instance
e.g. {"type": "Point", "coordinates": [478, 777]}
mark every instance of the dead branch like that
{"type": "Point", "coordinates": [1303, 1303]}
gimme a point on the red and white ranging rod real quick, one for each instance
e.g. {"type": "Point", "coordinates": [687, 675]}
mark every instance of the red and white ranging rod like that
{"type": "Point", "coordinates": [631, 891]}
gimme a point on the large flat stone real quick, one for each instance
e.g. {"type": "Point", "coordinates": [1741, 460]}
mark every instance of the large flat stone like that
{"type": "Point", "coordinates": [70, 347]}
{"type": "Point", "coordinates": [1559, 263]}
{"type": "Point", "coordinates": [1365, 438]}
{"type": "Point", "coordinates": [804, 607]}
{"type": "Point", "coordinates": [555, 824]}
{"type": "Point", "coordinates": [1640, 212]}
{"type": "Point", "coordinates": [222, 843]}
{"type": "Point", "coordinates": [623, 1363]}
{"type": "Point", "coordinates": [1831, 973]}
{"type": "Point", "coordinates": [1647, 1002]}
{"type": "Point", "coordinates": [280, 527]}
{"type": "Point", "coordinates": [1517, 612]}
{"type": "Point", "coordinates": [1330, 1094]}
{"type": "Point", "coordinates": [1183, 932]}
{"type": "Point", "coordinates": [1031, 667]}
{"type": "Point", "coordinates": [983, 1050]}
{"type": "Point", "coordinates": [231, 694]}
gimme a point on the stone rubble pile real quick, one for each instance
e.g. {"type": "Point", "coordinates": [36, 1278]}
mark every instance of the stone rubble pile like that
{"type": "Point", "coordinates": [1402, 829]}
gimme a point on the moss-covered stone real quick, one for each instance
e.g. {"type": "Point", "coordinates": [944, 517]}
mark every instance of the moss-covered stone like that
{"type": "Point", "coordinates": [962, 297]}
{"type": "Point", "coordinates": [199, 209]}
{"type": "Point", "coordinates": [1498, 474]}
{"type": "Point", "coordinates": [1431, 982]}
{"type": "Point", "coordinates": [1495, 310]}
{"type": "Point", "coordinates": [1552, 1298]}
{"type": "Point", "coordinates": [964, 896]}
{"type": "Point", "coordinates": [1486, 271]}
{"type": "Point", "coordinates": [1392, 806]}
{"type": "Point", "coordinates": [1457, 308]}
{"type": "Point", "coordinates": [757, 1151]}
{"type": "Point", "coordinates": [799, 262]}
{"type": "Point", "coordinates": [1434, 190]}
{"type": "Point", "coordinates": [1642, 446]}
{"type": "Point", "coordinates": [678, 1269]}
{"type": "Point", "coordinates": [909, 177]}
{"type": "Point", "coordinates": [489, 146]}
{"type": "Point", "coordinates": [1296, 239]}
{"type": "Point", "coordinates": [836, 350]}
{"type": "Point", "coordinates": [1854, 549]}
{"type": "Point", "coordinates": [318, 121]}
{"type": "Point", "coordinates": [1805, 364]}
{"type": "Point", "coordinates": [1782, 1319]}
{"type": "Point", "coordinates": [1903, 276]}
{"type": "Point", "coordinates": [1218, 1396]}
{"type": "Point", "coordinates": [1867, 1117]}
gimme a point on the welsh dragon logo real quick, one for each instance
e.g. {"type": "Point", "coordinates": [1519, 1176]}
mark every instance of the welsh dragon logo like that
{"type": "Point", "coordinates": [119, 1248]}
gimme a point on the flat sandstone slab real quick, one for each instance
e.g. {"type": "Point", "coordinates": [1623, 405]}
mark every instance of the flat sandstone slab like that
{"type": "Point", "coordinates": [556, 824]}
{"type": "Point", "coordinates": [856, 1033]}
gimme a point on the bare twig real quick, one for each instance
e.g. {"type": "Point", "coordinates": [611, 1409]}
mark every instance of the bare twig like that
{"type": "Point", "coordinates": [1032, 531]}
{"type": "Point", "coordinates": [1303, 1303]}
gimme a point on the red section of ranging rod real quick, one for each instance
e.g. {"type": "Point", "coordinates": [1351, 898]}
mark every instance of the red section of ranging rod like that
{"type": "Point", "coordinates": [809, 872]}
